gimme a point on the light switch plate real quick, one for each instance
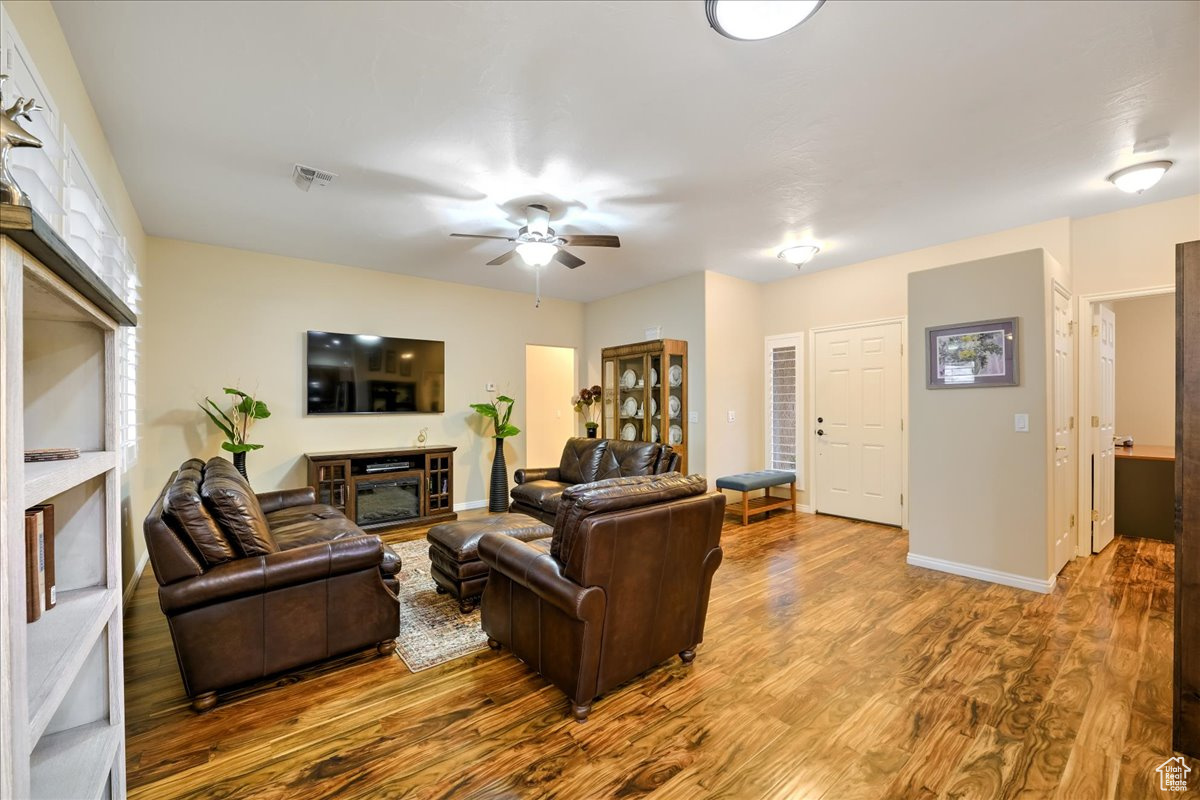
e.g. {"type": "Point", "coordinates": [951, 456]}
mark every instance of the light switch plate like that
{"type": "Point", "coordinates": [1021, 423]}
{"type": "Point", "coordinates": [731, 415]}
{"type": "Point", "coordinates": [693, 417]}
{"type": "Point", "coordinates": [489, 387]}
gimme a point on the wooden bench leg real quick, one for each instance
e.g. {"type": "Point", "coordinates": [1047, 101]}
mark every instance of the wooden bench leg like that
{"type": "Point", "coordinates": [745, 508]}
{"type": "Point", "coordinates": [793, 497]}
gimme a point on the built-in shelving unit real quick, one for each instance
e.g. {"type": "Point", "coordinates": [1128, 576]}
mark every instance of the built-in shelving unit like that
{"type": "Point", "coordinates": [62, 715]}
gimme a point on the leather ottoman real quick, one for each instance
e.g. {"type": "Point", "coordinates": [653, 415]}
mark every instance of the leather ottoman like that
{"type": "Point", "coordinates": [454, 552]}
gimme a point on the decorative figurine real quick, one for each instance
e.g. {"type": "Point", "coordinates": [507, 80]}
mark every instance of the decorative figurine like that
{"type": "Point", "coordinates": [422, 436]}
{"type": "Point", "coordinates": [13, 135]}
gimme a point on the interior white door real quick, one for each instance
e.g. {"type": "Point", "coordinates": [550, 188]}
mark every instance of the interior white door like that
{"type": "Point", "coordinates": [1064, 439]}
{"type": "Point", "coordinates": [1104, 400]}
{"type": "Point", "coordinates": [858, 407]}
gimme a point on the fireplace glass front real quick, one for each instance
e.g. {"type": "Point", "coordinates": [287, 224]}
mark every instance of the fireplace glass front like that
{"type": "Point", "coordinates": [391, 499]}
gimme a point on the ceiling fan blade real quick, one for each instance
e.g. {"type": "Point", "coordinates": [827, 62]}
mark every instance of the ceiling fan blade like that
{"type": "Point", "coordinates": [568, 260]}
{"type": "Point", "coordinates": [590, 240]}
{"type": "Point", "coordinates": [500, 259]}
{"type": "Point", "coordinates": [537, 219]}
{"type": "Point", "coordinates": [482, 236]}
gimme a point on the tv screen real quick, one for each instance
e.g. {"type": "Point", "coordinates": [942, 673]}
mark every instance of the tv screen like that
{"type": "Point", "coordinates": [363, 374]}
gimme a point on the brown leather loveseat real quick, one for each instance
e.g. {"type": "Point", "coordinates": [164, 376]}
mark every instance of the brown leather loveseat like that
{"type": "Point", "coordinates": [254, 585]}
{"type": "Point", "coordinates": [624, 585]}
{"type": "Point", "coordinates": [585, 461]}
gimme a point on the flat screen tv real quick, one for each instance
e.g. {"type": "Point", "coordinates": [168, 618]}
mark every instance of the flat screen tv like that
{"type": "Point", "coordinates": [362, 374]}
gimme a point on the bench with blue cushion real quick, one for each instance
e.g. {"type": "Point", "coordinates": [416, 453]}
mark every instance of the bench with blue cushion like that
{"type": "Point", "coordinates": [747, 482]}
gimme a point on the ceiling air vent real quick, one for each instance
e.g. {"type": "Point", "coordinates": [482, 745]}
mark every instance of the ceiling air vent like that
{"type": "Point", "coordinates": [306, 177]}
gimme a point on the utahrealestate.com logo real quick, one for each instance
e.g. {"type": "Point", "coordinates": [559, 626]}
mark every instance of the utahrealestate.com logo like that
{"type": "Point", "coordinates": [1173, 774]}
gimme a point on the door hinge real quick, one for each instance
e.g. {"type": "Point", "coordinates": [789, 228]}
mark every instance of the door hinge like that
{"type": "Point", "coordinates": [902, 348]}
{"type": "Point", "coordinates": [1095, 515]}
{"type": "Point", "coordinates": [901, 424]}
{"type": "Point", "coordinates": [1071, 327]}
{"type": "Point", "coordinates": [1071, 424]}
{"type": "Point", "coordinates": [1072, 520]}
{"type": "Point", "coordinates": [1095, 421]}
{"type": "Point", "coordinates": [901, 499]}
{"type": "Point", "coordinates": [1095, 330]}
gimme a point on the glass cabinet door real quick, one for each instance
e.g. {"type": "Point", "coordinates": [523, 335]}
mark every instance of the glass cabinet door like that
{"type": "Point", "coordinates": [631, 398]}
{"type": "Point", "coordinates": [610, 428]}
{"type": "Point", "coordinates": [676, 397]}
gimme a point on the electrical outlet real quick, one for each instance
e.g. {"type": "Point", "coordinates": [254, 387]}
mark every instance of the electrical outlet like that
{"type": "Point", "coordinates": [731, 415]}
{"type": "Point", "coordinates": [1021, 423]}
{"type": "Point", "coordinates": [489, 387]}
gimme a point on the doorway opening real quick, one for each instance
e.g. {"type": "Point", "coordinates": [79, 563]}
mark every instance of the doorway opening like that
{"type": "Point", "coordinates": [549, 414]}
{"type": "Point", "coordinates": [1127, 414]}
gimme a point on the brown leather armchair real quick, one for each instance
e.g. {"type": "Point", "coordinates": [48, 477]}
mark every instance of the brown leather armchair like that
{"type": "Point", "coordinates": [538, 489]}
{"type": "Point", "coordinates": [254, 585]}
{"type": "Point", "coordinates": [623, 587]}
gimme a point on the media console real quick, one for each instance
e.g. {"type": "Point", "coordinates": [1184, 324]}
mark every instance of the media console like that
{"type": "Point", "coordinates": [385, 490]}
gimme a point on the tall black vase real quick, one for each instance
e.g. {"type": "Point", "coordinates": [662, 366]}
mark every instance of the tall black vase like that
{"type": "Point", "coordinates": [239, 461]}
{"type": "Point", "coordinates": [498, 498]}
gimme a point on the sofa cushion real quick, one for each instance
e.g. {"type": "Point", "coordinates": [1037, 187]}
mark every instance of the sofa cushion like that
{"type": "Point", "coordinates": [301, 532]}
{"type": "Point", "coordinates": [305, 513]}
{"type": "Point", "coordinates": [539, 494]}
{"type": "Point", "coordinates": [580, 502]}
{"type": "Point", "coordinates": [182, 504]}
{"type": "Point", "coordinates": [581, 459]}
{"type": "Point", "coordinates": [237, 510]}
{"type": "Point", "coordinates": [622, 459]}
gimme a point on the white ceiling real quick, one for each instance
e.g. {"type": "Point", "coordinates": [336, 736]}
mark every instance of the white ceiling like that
{"type": "Point", "coordinates": [874, 128]}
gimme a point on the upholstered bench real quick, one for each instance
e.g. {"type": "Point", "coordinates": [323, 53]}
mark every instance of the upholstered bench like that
{"type": "Point", "coordinates": [454, 552]}
{"type": "Point", "coordinates": [747, 482]}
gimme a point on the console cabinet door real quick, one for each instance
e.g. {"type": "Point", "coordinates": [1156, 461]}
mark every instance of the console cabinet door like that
{"type": "Point", "coordinates": [331, 481]}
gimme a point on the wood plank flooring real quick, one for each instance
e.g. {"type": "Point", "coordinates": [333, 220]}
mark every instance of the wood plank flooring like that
{"type": "Point", "coordinates": [830, 670]}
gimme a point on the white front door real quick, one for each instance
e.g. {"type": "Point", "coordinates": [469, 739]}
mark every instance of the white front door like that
{"type": "Point", "coordinates": [1064, 447]}
{"type": "Point", "coordinates": [1104, 400]}
{"type": "Point", "coordinates": [857, 413]}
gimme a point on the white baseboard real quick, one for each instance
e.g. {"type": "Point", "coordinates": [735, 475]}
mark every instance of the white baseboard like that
{"type": "Point", "coordinates": [137, 576]}
{"type": "Point", "coordinates": [470, 505]}
{"type": "Point", "coordinates": [804, 509]}
{"type": "Point", "coordinates": [982, 573]}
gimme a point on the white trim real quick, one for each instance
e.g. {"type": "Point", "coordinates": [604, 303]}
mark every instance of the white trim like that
{"type": "Point", "coordinates": [804, 509]}
{"type": "Point", "coordinates": [801, 441]}
{"type": "Point", "coordinates": [982, 573]}
{"type": "Point", "coordinates": [1085, 354]}
{"type": "Point", "coordinates": [133, 581]}
{"type": "Point", "coordinates": [810, 401]}
{"type": "Point", "coordinates": [470, 505]}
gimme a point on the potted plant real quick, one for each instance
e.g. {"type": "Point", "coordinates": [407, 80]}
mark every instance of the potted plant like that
{"type": "Point", "coordinates": [499, 413]}
{"type": "Point", "coordinates": [236, 424]}
{"type": "Point", "coordinates": [587, 405]}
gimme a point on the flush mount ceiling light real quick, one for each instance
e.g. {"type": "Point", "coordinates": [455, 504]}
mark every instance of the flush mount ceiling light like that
{"type": "Point", "coordinates": [1139, 177]}
{"type": "Point", "coordinates": [799, 254]}
{"type": "Point", "coordinates": [537, 254]}
{"type": "Point", "coordinates": [753, 20]}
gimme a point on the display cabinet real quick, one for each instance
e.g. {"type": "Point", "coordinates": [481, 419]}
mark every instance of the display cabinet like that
{"type": "Point", "coordinates": [645, 393]}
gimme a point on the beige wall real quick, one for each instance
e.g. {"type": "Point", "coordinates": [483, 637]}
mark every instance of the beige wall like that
{"type": "Point", "coordinates": [220, 317]}
{"type": "Point", "coordinates": [1133, 248]}
{"type": "Point", "coordinates": [550, 419]}
{"type": "Point", "coordinates": [677, 306]}
{"type": "Point", "coordinates": [978, 489]}
{"type": "Point", "coordinates": [735, 376]}
{"type": "Point", "coordinates": [1145, 375]}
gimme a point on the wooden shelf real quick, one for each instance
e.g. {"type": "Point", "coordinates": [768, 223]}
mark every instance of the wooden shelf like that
{"type": "Point", "coordinates": [74, 763]}
{"type": "Point", "coordinates": [45, 479]}
{"type": "Point", "coordinates": [57, 646]}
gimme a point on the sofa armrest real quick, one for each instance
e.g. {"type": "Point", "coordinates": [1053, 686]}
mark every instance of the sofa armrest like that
{"type": "Point", "coordinates": [541, 574]}
{"type": "Point", "coordinates": [259, 574]}
{"type": "Point", "coordinates": [286, 498]}
{"type": "Point", "coordinates": [536, 474]}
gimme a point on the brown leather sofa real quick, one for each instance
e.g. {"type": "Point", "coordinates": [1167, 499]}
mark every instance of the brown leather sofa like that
{"type": "Point", "coordinates": [254, 585]}
{"type": "Point", "coordinates": [624, 585]}
{"type": "Point", "coordinates": [585, 461]}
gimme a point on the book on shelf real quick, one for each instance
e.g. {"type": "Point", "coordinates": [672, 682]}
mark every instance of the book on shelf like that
{"type": "Point", "coordinates": [41, 594]}
{"type": "Point", "coordinates": [52, 454]}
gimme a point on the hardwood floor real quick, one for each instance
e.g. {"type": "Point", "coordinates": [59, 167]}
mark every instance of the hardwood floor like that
{"type": "Point", "coordinates": [830, 669]}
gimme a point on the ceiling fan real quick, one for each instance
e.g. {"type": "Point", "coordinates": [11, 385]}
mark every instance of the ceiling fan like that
{"type": "Point", "coordinates": [538, 244]}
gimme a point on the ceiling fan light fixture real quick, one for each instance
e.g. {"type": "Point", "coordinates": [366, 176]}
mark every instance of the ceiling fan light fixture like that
{"type": "Point", "coordinates": [1139, 177]}
{"type": "Point", "coordinates": [800, 254]}
{"type": "Point", "coordinates": [754, 20]}
{"type": "Point", "coordinates": [536, 254]}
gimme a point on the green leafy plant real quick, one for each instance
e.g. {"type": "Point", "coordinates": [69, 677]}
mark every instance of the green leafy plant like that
{"type": "Point", "coordinates": [499, 416]}
{"type": "Point", "coordinates": [587, 405]}
{"type": "Point", "coordinates": [235, 423]}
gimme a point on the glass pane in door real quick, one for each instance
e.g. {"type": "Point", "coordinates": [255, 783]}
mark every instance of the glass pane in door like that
{"type": "Point", "coordinates": [631, 378]}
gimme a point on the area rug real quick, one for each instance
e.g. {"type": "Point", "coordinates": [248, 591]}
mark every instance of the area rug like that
{"type": "Point", "coordinates": [432, 629]}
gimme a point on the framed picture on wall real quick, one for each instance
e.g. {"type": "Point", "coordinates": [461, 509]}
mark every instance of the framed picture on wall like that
{"type": "Point", "coordinates": [972, 354]}
{"type": "Point", "coordinates": [389, 361]}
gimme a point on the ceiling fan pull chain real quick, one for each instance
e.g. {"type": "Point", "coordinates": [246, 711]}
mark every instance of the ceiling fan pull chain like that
{"type": "Point", "coordinates": [537, 285]}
